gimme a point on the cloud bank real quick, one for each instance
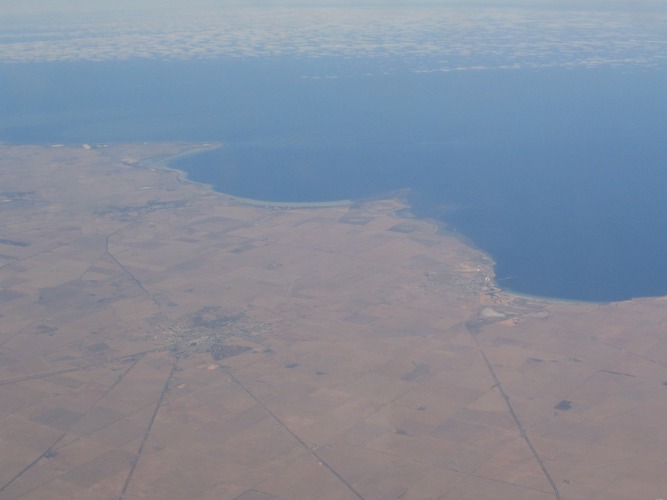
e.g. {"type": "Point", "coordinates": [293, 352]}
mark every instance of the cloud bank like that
{"type": "Point", "coordinates": [435, 39]}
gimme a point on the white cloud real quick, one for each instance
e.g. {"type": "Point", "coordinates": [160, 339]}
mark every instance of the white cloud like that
{"type": "Point", "coordinates": [465, 38]}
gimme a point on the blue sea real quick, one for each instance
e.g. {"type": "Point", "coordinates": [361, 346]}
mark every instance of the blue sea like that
{"type": "Point", "coordinates": [558, 174]}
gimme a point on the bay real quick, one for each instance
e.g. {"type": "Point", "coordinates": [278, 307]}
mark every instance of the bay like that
{"type": "Point", "coordinates": [557, 173]}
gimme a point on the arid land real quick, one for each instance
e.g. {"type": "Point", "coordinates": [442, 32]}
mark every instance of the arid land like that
{"type": "Point", "coordinates": [160, 340]}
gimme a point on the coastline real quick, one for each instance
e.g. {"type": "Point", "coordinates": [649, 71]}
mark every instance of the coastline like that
{"type": "Point", "coordinates": [166, 162]}
{"type": "Point", "coordinates": [332, 314]}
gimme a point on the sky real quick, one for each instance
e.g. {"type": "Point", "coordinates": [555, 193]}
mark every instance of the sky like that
{"type": "Point", "coordinates": [10, 7]}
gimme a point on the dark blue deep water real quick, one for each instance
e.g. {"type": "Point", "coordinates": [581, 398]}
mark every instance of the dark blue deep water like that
{"type": "Point", "coordinates": [558, 174]}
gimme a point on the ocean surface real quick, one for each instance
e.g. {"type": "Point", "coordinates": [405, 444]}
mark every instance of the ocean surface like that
{"type": "Point", "coordinates": [558, 174]}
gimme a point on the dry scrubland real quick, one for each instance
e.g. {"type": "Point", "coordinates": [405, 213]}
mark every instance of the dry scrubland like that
{"type": "Point", "coordinates": [160, 340]}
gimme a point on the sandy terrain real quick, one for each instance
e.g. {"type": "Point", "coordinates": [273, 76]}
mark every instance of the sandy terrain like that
{"type": "Point", "coordinates": [162, 341]}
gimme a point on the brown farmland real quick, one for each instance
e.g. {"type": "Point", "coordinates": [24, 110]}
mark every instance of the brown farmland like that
{"type": "Point", "coordinates": [159, 340]}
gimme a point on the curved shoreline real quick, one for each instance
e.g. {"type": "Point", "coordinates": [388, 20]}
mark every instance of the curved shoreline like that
{"type": "Point", "coordinates": [167, 163]}
{"type": "Point", "coordinates": [153, 273]}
